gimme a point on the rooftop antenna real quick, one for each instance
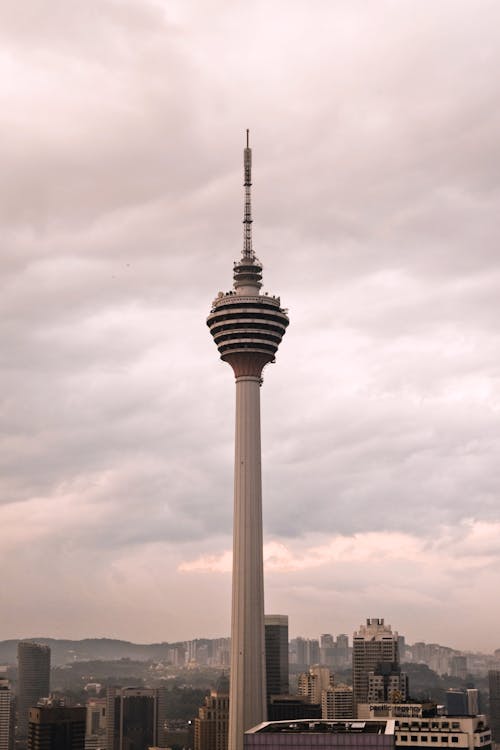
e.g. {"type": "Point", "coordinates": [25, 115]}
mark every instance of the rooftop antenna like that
{"type": "Point", "coordinates": [248, 253]}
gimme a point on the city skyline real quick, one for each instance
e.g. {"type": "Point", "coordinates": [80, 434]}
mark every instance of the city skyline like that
{"type": "Point", "coordinates": [377, 221]}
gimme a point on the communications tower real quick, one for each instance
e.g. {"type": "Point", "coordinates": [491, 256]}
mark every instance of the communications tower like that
{"type": "Point", "coordinates": [247, 327]}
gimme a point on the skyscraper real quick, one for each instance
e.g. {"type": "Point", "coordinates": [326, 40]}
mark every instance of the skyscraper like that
{"type": "Point", "coordinates": [6, 716]}
{"type": "Point", "coordinates": [276, 630]}
{"type": "Point", "coordinates": [95, 729]}
{"type": "Point", "coordinates": [375, 651]}
{"type": "Point", "coordinates": [56, 728]}
{"type": "Point", "coordinates": [494, 686]}
{"type": "Point", "coordinates": [336, 702]}
{"type": "Point", "coordinates": [211, 726]}
{"type": "Point", "coordinates": [313, 683]}
{"type": "Point", "coordinates": [33, 680]}
{"type": "Point", "coordinates": [135, 718]}
{"type": "Point", "coordinates": [247, 327]}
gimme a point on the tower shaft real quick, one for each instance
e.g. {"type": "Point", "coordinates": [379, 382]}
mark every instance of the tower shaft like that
{"type": "Point", "coordinates": [247, 701]}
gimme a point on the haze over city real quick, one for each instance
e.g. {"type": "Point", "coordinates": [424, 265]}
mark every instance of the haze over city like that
{"type": "Point", "coordinates": [374, 129]}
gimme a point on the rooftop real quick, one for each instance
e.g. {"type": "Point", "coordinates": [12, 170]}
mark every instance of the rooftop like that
{"type": "Point", "coordinates": [308, 726]}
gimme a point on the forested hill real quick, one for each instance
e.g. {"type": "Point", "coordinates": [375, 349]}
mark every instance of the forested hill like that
{"type": "Point", "coordinates": [66, 651]}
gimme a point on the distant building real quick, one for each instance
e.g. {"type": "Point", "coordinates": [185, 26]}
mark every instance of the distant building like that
{"type": "Point", "coordinates": [135, 718]}
{"type": "Point", "coordinates": [304, 651]}
{"type": "Point", "coordinates": [337, 702]}
{"type": "Point", "coordinates": [56, 728]}
{"type": "Point", "coordinates": [458, 667]}
{"type": "Point", "coordinates": [221, 652]}
{"type": "Point", "coordinates": [95, 728]}
{"type": "Point", "coordinates": [7, 721]}
{"type": "Point", "coordinates": [327, 650]}
{"type": "Point", "coordinates": [387, 683]}
{"type": "Point", "coordinates": [211, 725]}
{"type": "Point", "coordinates": [342, 655]}
{"type": "Point", "coordinates": [375, 655]}
{"type": "Point", "coordinates": [33, 661]}
{"type": "Point", "coordinates": [494, 686]}
{"type": "Point", "coordinates": [276, 637]}
{"type": "Point", "coordinates": [462, 702]}
{"type": "Point", "coordinates": [312, 683]}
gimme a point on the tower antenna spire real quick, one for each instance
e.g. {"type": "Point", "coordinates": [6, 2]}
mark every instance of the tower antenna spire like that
{"type": "Point", "coordinates": [248, 252]}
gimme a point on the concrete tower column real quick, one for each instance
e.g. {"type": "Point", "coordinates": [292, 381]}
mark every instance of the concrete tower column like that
{"type": "Point", "coordinates": [247, 701]}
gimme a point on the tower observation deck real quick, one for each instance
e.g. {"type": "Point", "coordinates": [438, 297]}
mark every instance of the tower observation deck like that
{"type": "Point", "coordinates": [247, 327]}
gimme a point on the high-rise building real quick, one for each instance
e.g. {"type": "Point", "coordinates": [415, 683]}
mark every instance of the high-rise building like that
{"type": "Point", "coordinates": [313, 683]}
{"type": "Point", "coordinates": [387, 683]}
{"type": "Point", "coordinates": [6, 716]}
{"type": "Point", "coordinates": [33, 661]}
{"type": "Point", "coordinates": [458, 667]}
{"type": "Point", "coordinates": [327, 649]}
{"type": "Point", "coordinates": [342, 655]}
{"type": "Point", "coordinates": [56, 728]}
{"type": "Point", "coordinates": [494, 688]}
{"type": "Point", "coordinates": [95, 728]}
{"type": "Point", "coordinates": [135, 718]}
{"type": "Point", "coordinates": [336, 702]}
{"type": "Point", "coordinates": [375, 650]}
{"type": "Point", "coordinates": [211, 726]}
{"type": "Point", "coordinates": [461, 702]}
{"type": "Point", "coordinates": [276, 631]}
{"type": "Point", "coordinates": [247, 327]}
{"type": "Point", "coordinates": [305, 651]}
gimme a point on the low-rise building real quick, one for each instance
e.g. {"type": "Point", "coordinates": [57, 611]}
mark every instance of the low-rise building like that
{"type": "Point", "coordinates": [470, 732]}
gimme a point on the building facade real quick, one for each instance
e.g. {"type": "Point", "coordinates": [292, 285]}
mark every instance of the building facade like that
{"type": "Point", "coordinates": [96, 723]}
{"type": "Point", "coordinates": [466, 733]}
{"type": "Point", "coordinates": [337, 702]}
{"type": "Point", "coordinates": [212, 724]}
{"type": "Point", "coordinates": [375, 652]}
{"type": "Point", "coordinates": [276, 637]}
{"type": "Point", "coordinates": [56, 728]}
{"type": "Point", "coordinates": [494, 688]}
{"type": "Point", "coordinates": [135, 718]}
{"type": "Point", "coordinates": [7, 719]}
{"type": "Point", "coordinates": [322, 735]}
{"type": "Point", "coordinates": [388, 683]}
{"type": "Point", "coordinates": [33, 661]}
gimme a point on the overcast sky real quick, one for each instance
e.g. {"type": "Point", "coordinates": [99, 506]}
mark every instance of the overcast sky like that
{"type": "Point", "coordinates": [375, 133]}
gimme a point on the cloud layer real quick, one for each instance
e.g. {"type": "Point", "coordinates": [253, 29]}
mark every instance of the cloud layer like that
{"type": "Point", "coordinates": [375, 130]}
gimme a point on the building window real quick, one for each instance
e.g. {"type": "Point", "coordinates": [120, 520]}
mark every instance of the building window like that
{"type": "Point", "coordinates": [414, 739]}
{"type": "Point", "coordinates": [434, 739]}
{"type": "Point", "coordinates": [423, 739]}
{"type": "Point", "coordinates": [444, 739]}
{"type": "Point", "coordinates": [404, 738]}
{"type": "Point", "coordinates": [454, 739]}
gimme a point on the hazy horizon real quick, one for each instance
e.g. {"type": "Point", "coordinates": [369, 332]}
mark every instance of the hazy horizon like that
{"type": "Point", "coordinates": [374, 129]}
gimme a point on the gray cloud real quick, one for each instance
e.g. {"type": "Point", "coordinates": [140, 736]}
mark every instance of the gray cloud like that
{"type": "Point", "coordinates": [375, 130]}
